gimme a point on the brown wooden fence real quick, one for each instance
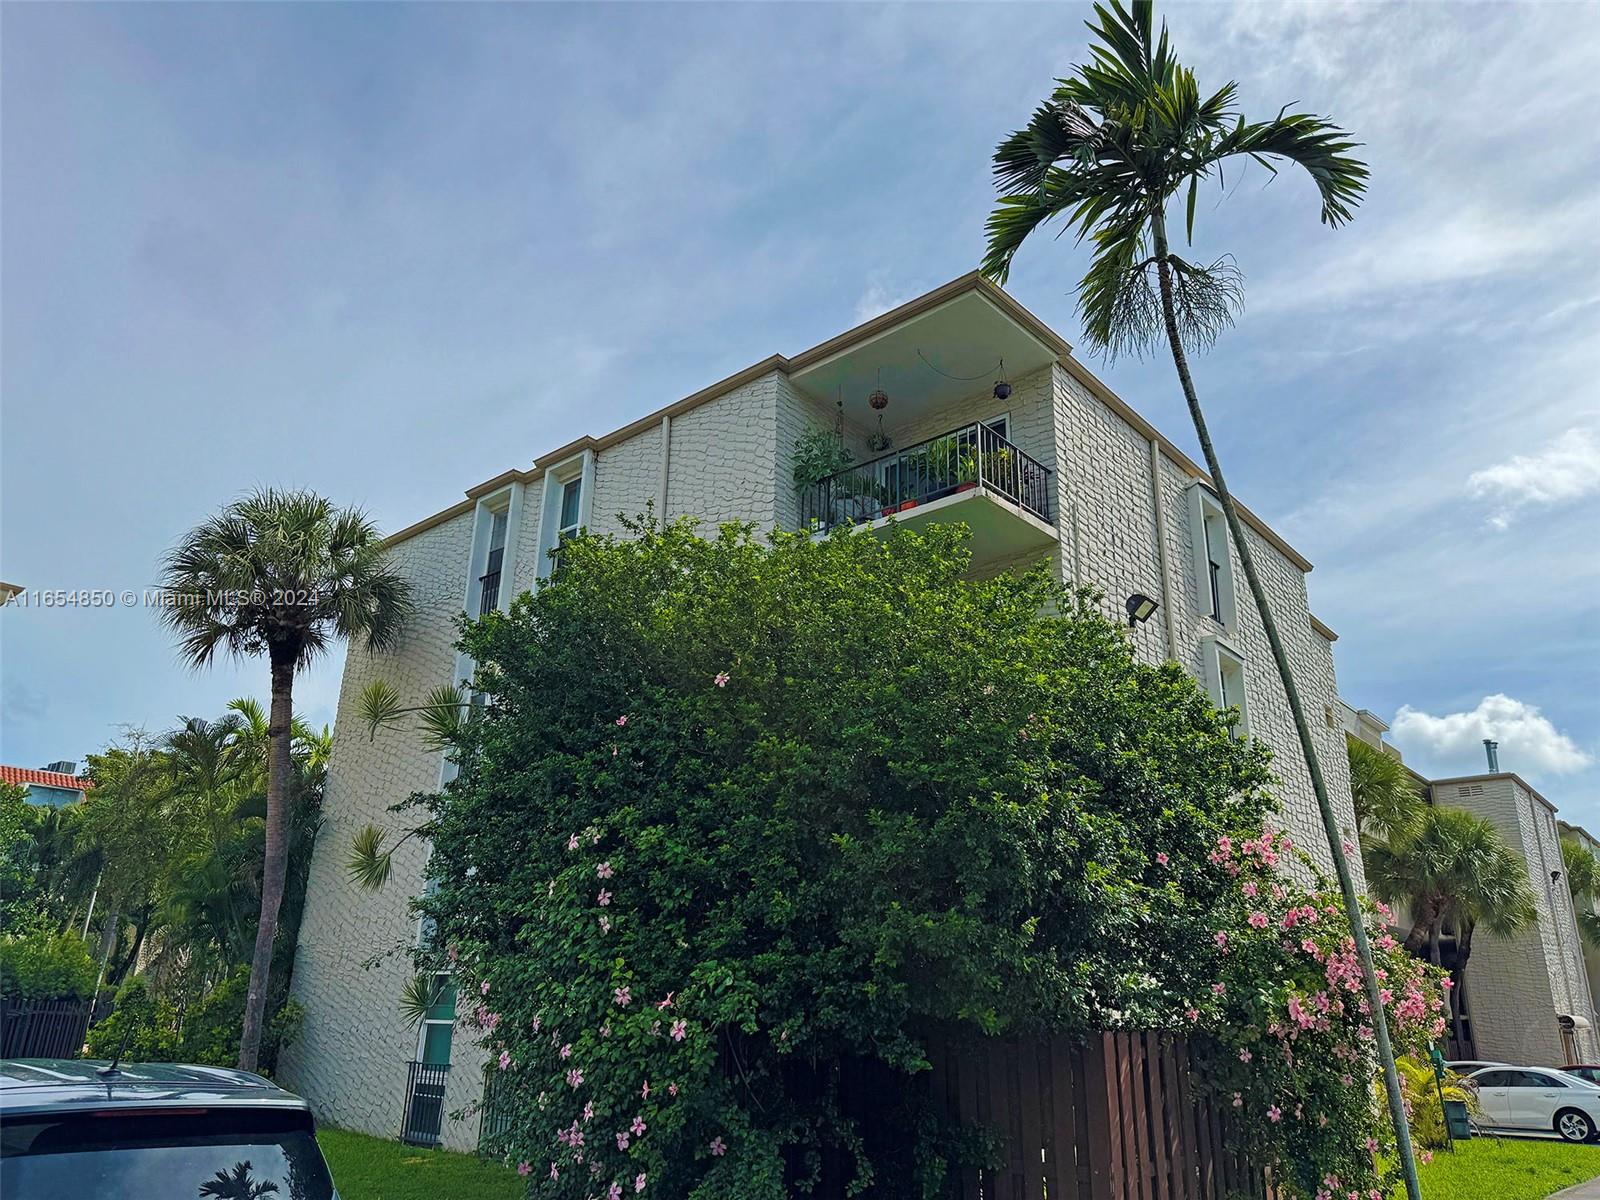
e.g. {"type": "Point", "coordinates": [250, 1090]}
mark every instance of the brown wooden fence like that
{"type": "Point", "coordinates": [43, 1028]}
{"type": "Point", "coordinates": [1116, 1117]}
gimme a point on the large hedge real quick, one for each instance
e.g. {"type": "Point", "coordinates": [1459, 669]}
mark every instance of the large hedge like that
{"type": "Point", "coordinates": [46, 966]}
{"type": "Point", "coordinates": [734, 812]}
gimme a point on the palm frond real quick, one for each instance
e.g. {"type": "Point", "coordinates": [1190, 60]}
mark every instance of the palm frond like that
{"type": "Point", "coordinates": [445, 715]}
{"type": "Point", "coordinates": [378, 705]}
{"type": "Point", "coordinates": [417, 995]}
{"type": "Point", "coordinates": [369, 863]}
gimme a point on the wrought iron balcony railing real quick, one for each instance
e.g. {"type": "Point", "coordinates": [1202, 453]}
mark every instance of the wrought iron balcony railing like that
{"type": "Point", "coordinates": [973, 456]}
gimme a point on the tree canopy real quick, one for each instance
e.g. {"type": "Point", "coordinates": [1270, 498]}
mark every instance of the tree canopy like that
{"type": "Point", "coordinates": [729, 813]}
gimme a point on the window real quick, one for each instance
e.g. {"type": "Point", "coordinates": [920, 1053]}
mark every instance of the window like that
{"type": "Point", "coordinates": [571, 508]}
{"type": "Point", "coordinates": [1225, 680]}
{"type": "Point", "coordinates": [564, 509]}
{"type": "Point", "coordinates": [489, 581]}
{"type": "Point", "coordinates": [433, 1039]}
{"type": "Point", "coordinates": [1495, 1078]}
{"type": "Point", "coordinates": [1213, 566]}
{"type": "Point", "coordinates": [1001, 424]}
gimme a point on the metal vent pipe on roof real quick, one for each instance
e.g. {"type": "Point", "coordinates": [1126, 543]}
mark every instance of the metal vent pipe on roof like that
{"type": "Point", "coordinates": [1492, 749]}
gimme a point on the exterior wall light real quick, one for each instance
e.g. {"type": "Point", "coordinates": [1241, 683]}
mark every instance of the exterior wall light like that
{"type": "Point", "coordinates": [1140, 608]}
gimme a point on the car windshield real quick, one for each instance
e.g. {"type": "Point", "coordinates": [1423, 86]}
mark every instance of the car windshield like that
{"type": "Point", "coordinates": [193, 1154]}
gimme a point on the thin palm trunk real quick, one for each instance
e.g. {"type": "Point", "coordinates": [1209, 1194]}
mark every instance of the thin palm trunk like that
{"type": "Point", "coordinates": [275, 860]}
{"type": "Point", "coordinates": [1422, 928]}
{"type": "Point", "coordinates": [1330, 824]}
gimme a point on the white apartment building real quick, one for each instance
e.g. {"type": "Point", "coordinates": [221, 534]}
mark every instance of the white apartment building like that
{"type": "Point", "coordinates": [1526, 998]}
{"type": "Point", "coordinates": [1054, 467]}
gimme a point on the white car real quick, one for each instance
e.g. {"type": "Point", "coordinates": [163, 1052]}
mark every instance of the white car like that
{"type": "Point", "coordinates": [1537, 1099]}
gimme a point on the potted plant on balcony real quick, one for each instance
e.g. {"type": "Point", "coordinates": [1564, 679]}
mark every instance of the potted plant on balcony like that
{"type": "Point", "coordinates": [819, 454]}
{"type": "Point", "coordinates": [943, 459]}
{"type": "Point", "coordinates": [967, 471]}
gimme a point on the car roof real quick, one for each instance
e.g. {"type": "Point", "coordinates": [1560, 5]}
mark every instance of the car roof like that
{"type": "Point", "coordinates": [58, 1085]}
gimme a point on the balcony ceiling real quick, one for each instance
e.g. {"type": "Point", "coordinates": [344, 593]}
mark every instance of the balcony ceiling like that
{"type": "Point", "coordinates": [965, 336]}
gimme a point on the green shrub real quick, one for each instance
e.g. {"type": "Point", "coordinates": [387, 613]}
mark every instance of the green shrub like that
{"type": "Point", "coordinates": [732, 813]}
{"type": "Point", "coordinates": [45, 966]}
{"type": "Point", "coordinates": [211, 1028]}
{"type": "Point", "coordinates": [1422, 1101]}
{"type": "Point", "coordinates": [148, 1023]}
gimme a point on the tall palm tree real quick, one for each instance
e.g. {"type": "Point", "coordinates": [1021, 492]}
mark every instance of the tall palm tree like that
{"type": "Point", "coordinates": [1386, 798]}
{"type": "Point", "coordinates": [1453, 868]}
{"type": "Point", "coordinates": [280, 574]}
{"type": "Point", "coordinates": [1113, 146]}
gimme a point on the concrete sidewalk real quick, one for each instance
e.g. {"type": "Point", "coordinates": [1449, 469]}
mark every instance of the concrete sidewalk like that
{"type": "Point", "coordinates": [1579, 1191]}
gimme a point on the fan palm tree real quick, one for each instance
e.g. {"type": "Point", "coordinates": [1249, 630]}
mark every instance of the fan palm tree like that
{"type": "Point", "coordinates": [280, 574]}
{"type": "Point", "coordinates": [1386, 798]}
{"type": "Point", "coordinates": [1583, 881]}
{"type": "Point", "coordinates": [1454, 868]}
{"type": "Point", "coordinates": [1118, 142]}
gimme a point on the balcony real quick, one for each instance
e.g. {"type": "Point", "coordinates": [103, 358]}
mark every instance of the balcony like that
{"type": "Point", "coordinates": [971, 474]}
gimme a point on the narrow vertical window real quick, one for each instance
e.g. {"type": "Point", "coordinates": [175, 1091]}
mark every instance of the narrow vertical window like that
{"type": "Point", "coordinates": [489, 582]}
{"type": "Point", "coordinates": [571, 510]}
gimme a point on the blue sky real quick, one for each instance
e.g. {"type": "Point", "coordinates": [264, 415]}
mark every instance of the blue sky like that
{"type": "Point", "coordinates": [388, 252]}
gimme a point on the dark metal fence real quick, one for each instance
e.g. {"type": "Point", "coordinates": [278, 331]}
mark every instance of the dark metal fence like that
{"type": "Point", "coordinates": [43, 1028]}
{"type": "Point", "coordinates": [970, 457]}
{"type": "Point", "coordinates": [498, 1115]}
{"type": "Point", "coordinates": [424, 1115]}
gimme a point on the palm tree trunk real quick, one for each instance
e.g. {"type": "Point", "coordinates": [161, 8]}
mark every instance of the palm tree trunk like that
{"type": "Point", "coordinates": [275, 861]}
{"type": "Point", "coordinates": [1423, 927]}
{"type": "Point", "coordinates": [1330, 824]}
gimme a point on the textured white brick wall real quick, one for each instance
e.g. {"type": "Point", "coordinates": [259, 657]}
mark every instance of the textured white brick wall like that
{"type": "Point", "coordinates": [350, 1060]}
{"type": "Point", "coordinates": [1104, 465]}
{"type": "Point", "coordinates": [732, 459]}
{"type": "Point", "coordinates": [1516, 986]}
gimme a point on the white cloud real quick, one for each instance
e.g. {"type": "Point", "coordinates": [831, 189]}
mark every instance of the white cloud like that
{"type": "Point", "coordinates": [1528, 740]}
{"type": "Point", "coordinates": [1567, 469]}
{"type": "Point", "coordinates": [879, 299]}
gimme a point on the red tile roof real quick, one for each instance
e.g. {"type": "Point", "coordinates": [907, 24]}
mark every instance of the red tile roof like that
{"type": "Point", "coordinates": [55, 779]}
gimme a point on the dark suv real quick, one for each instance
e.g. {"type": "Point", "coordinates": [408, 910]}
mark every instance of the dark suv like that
{"type": "Point", "coordinates": [73, 1130]}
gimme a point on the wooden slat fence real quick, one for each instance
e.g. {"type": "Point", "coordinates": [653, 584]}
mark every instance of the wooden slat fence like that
{"type": "Point", "coordinates": [1117, 1117]}
{"type": "Point", "coordinates": [43, 1028]}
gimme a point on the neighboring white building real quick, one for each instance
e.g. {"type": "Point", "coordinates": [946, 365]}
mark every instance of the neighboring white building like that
{"type": "Point", "coordinates": [1527, 998]}
{"type": "Point", "coordinates": [1060, 469]}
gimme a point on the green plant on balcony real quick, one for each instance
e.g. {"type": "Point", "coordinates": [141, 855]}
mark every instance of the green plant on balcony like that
{"type": "Point", "coordinates": [819, 453]}
{"type": "Point", "coordinates": [997, 464]}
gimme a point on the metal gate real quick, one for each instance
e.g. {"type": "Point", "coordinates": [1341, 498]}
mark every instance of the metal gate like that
{"type": "Point", "coordinates": [424, 1117]}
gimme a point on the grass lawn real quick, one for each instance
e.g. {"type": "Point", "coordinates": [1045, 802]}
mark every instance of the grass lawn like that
{"type": "Point", "coordinates": [369, 1168]}
{"type": "Point", "coordinates": [1506, 1169]}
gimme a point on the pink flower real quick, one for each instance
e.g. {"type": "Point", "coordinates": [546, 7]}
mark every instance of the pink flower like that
{"type": "Point", "coordinates": [604, 897]}
{"type": "Point", "coordinates": [1245, 1056]}
{"type": "Point", "coordinates": [1274, 1114]}
{"type": "Point", "coordinates": [1218, 989]}
{"type": "Point", "coordinates": [1372, 1145]}
{"type": "Point", "coordinates": [672, 1089]}
{"type": "Point", "coordinates": [644, 1092]}
{"type": "Point", "coordinates": [588, 1111]}
{"type": "Point", "coordinates": [638, 1126]}
{"type": "Point", "coordinates": [667, 1003]}
{"type": "Point", "coordinates": [718, 1148]}
{"type": "Point", "coordinates": [638, 1182]}
{"type": "Point", "coordinates": [614, 1192]}
{"type": "Point", "coordinates": [555, 1171]}
{"type": "Point", "coordinates": [574, 1077]}
{"type": "Point", "coordinates": [605, 923]}
{"type": "Point", "coordinates": [523, 1168]}
{"type": "Point", "coordinates": [483, 988]}
{"type": "Point", "coordinates": [1426, 1156]}
{"type": "Point", "coordinates": [566, 1051]}
{"type": "Point", "coordinates": [1238, 1100]}
{"type": "Point", "coordinates": [1193, 1014]}
{"type": "Point", "coordinates": [1221, 940]}
{"type": "Point", "coordinates": [572, 842]}
{"type": "Point", "coordinates": [722, 678]}
{"type": "Point", "coordinates": [680, 1030]}
{"type": "Point", "coordinates": [622, 720]}
{"type": "Point", "coordinates": [623, 997]}
{"type": "Point", "coordinates": [1162, 858]}
{"type": "Point", "coordinates": [1258, 920]}
{"type": "Point", "coordinates": [622, 1141]}
{"type": "Point", "coordinates": [505, 1059]}
{"type": "Point", "coordinates": [604, 870]}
